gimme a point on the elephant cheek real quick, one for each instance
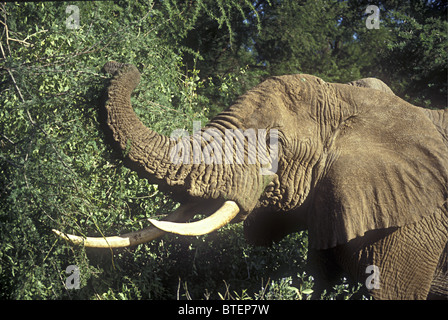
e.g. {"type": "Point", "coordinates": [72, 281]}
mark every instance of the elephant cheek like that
{"type": "Point", "coordinates": [240, 183]}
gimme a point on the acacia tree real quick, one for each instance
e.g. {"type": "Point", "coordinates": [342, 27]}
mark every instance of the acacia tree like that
{"type": "Point", "coordinates": [330, 39]}
{"type": "Point", "coordinates": [417, 58]}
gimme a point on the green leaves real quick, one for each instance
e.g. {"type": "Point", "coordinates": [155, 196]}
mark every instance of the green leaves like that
{"type": "Point", "coordinates": [417, 57]}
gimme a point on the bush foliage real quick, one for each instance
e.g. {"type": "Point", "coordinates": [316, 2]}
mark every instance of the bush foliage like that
{"type": "Point", "coordinates": [57, 169]}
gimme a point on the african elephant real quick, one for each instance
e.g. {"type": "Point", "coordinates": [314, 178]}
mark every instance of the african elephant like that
{"type": "Point", "coordinates": [365, 172]}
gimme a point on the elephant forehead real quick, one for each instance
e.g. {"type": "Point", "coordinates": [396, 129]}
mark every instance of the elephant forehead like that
{"type": "Point", "coordinates": [283, 101]}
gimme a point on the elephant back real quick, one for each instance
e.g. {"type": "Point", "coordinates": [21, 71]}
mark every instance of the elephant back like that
{"type": "Point", "coordinates": [440, 120]}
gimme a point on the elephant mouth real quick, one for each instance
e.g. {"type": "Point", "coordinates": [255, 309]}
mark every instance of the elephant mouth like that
{"type": "Point", "coordinates": [175, 222]}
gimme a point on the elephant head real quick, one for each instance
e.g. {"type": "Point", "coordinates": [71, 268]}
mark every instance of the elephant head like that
{"type": "Point", "coordinates": [293, 153]}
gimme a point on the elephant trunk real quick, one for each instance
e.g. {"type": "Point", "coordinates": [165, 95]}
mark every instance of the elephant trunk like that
{"type": "Point", "coordinates": [197, 165]}
{"type": "Point", "coordinates": [145, 148]}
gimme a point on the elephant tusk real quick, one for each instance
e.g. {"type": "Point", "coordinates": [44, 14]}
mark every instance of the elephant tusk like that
{"type": "Point", "coordinates": [125, 240]}
{"type": "Point", "coordinates": [220, 218]}
{"type": "Point", "coordinates": [182, 214]}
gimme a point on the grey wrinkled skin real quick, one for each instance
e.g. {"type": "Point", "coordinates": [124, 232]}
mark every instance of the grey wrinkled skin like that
{"type": "Point", "coordinates": [365, 172]}
{"type": "Point", "coordinates": [372, 83]}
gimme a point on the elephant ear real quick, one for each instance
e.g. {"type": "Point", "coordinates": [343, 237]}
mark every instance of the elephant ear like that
{"type": "Point", "coordinates": [386, 167]}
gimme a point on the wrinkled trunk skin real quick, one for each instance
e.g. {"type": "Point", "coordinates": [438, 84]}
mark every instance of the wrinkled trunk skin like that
{"type": "Point", "coordinates": [151, 153]}
{"type": "Point", "coordinates": [146, 149]}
